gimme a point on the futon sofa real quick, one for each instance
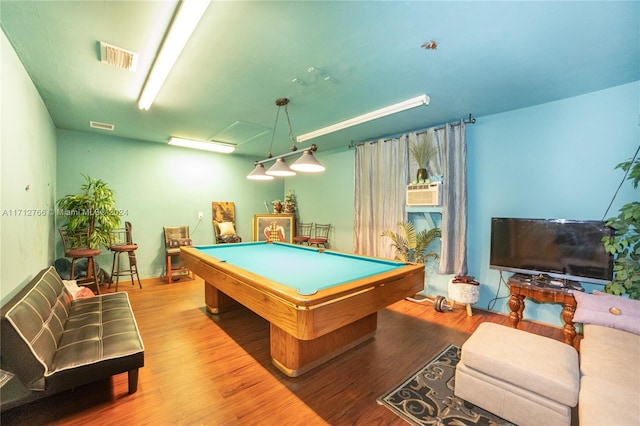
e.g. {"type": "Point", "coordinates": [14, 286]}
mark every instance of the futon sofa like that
{"type": "Point", "coordinates": [609, 360]}
{"type": "Point", "coordinates": [531, 380]}
{"type": "Point", "coordinates": [52, 342]}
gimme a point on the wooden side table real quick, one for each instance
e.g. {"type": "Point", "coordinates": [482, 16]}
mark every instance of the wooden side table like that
{"type": "Point", "coordinates": [519, 290]}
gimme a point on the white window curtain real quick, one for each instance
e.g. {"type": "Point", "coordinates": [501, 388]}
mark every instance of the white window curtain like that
{"type": "Point", "coordinates": [452, 149]}
{"type": "Point", "coordinates": [380, 191]}
{"type": "Point", "coordinates": [383, 170]}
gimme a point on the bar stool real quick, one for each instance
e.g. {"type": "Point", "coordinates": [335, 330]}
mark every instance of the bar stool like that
{"type": "Point", "coordinates": [320, 236]}
{"type": "Point", "coordinates": [121, 241]}
{"type": "Point", "coordinates": [76, 246]}
{"type": "Point", "coordinates": [303, 233]}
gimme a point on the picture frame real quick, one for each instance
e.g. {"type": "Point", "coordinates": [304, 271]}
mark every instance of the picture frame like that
{"type": "Point", "coordinates": [279, 227]}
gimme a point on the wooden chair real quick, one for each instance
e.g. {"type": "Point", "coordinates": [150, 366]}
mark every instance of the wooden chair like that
{"type": "Point", "coordinates": [174, 238]}
{"type": "Point", "coordinates": [121, 241]}
{"type": "Point", "coordinates": [224, 222]}
{"type": "Point", "coordinates": [76, 246]}
{"type": "Point", "coordinates": [303, 233]}
{"type": "Point", "coordinates": [320, 235]}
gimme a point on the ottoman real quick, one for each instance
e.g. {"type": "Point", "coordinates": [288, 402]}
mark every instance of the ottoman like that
{"type": "Point", "coordinates": [522, 377]}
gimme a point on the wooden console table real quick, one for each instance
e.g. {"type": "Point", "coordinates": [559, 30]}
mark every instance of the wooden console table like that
{"type": "Point", "coordinates": [519, 290]}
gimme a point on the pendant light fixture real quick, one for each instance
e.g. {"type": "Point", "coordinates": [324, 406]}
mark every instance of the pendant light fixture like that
{"type": "Point", "coordinates": [280, 167]}
{"type": "Point", "coordinates": [306, 163]}
{"type": "Point", "coordinates": [259, 173]}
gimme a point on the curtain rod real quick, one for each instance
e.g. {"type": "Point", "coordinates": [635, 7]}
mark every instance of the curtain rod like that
{"type": "Point", "coordinates": [469, 120]}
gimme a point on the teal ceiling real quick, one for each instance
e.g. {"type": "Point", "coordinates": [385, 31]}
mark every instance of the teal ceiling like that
{"type": "Point", "coordinates": [334, 60]}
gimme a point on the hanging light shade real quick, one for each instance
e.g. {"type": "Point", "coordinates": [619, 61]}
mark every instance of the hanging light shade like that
{"type": "Point", "coordinates": [280, 168]}
{"type": "Point", "coordinates": [259, 173]}
{"type": "Point", "coordinates": [307, 163]}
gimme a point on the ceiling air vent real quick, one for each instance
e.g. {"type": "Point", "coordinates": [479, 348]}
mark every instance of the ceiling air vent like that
{"type": "Point", "coordinates": [101, 126]}
{"type": "Point", "coordinates": [118, 57]}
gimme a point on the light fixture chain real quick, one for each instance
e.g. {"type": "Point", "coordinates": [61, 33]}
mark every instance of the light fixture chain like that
{"type": "Point", "coordinates": [286, 111]}
{"type": "Point", "coordinates": [273, 134]}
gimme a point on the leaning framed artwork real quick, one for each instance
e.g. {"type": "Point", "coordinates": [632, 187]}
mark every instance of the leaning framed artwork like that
{"type": "Point", "coordinates": [274, 227]}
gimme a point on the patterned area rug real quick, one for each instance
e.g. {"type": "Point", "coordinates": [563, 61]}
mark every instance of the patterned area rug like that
{"type": "Point", "coordinates": [426, 397]}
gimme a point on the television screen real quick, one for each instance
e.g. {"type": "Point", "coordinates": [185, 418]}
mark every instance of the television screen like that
{"type": "Point", "coordinates": [564, 249]}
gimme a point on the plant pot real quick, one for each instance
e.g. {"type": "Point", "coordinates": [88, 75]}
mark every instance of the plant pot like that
{"type": "Point", "coordinates": [422, 175]}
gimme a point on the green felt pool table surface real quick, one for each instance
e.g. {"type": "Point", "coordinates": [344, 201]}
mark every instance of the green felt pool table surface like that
{"type": "Point", "coordinates": [305, 269]}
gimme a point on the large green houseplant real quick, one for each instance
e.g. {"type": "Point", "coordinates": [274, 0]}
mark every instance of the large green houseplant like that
{"type": "Point", "coordinates": [412, 246]}
{"type": "Point", "coordinates": [625, 244]}
{"type": "Point", "coordinates": [91, 212]}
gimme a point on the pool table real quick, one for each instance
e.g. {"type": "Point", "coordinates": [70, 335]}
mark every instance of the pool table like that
{"type": "Point", "coordinates": [319, 303]}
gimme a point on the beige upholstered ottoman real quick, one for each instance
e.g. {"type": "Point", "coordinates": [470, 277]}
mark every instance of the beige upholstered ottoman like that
{"type": "Point", "coordinates": [522, 377]}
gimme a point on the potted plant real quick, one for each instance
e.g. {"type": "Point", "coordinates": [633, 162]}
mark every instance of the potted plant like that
{"type": "Point", "coordinates": [277, 206]}
{"type": "Point", "coordinates": [290, 202]}
{"type": "Point", "coordinates": [625, 243]}
{"type": "Point", "coordinates": [411, 246]}
{"type": "Point", "coordinates": [92, 211]}
{"type": "Point", "coordinates": [422, 153]}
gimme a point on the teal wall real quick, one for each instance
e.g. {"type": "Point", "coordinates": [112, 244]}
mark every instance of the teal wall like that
{"type": "Point", "coordinates": [554, 160]}
{"type": "Point", "coordinates": [27, 160]}
{"type": "Point", "coordinates": [160, 185]}
{"type": "Point", "coordinates": [329, 197]}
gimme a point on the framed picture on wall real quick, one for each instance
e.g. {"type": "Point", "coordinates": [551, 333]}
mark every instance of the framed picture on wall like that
{"type": "Point", "coordinates": [279, 227]}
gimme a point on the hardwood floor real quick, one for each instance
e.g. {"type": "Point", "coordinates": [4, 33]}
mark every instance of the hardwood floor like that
{"type": "Point", "coordinates": [202, 369]}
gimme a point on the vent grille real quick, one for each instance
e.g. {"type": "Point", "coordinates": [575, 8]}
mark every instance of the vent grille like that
{"type": "Point", "coordinates": [101, 126]}
{"type": "Point", "coordinates": [118, 57]}
{"type": "Point", "coordinates": [429, 194]}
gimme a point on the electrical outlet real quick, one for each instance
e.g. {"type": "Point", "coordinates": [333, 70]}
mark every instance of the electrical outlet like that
{"type": "Point", "coordinates": [200, 215]}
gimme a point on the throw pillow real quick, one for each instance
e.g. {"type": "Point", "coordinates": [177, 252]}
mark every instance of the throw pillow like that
{"type": "Point", "coordinates": [76, 291]}
{"type": "Point", "coordinates": [226, 228]}
{"type": "Point", "coordinates": [608, 310]}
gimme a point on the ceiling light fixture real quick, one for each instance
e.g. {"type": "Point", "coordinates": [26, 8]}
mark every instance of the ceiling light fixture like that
{"type": "Point", "coordinates": [303, 164]}
{"type": "Point", "coordinates": [183, 25]}
{"type": "Point", "coordinates": [373, 115]}
{"type": "Point", "coordinates": [280, 169]}
{"type": "Point", "coordinates": [306, 163]}
{"type": "Point", "coordinates": [224, 148]}
{"type": "Point", "coordinates": [259, 173]}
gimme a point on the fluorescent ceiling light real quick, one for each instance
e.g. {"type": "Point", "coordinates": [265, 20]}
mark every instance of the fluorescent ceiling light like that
{"type": "Point", "coordinates": [181, 29]}
{"type": "Point", "coordinates": [203, 145]}
{"type": "Point", "coordinates": [373, 115]}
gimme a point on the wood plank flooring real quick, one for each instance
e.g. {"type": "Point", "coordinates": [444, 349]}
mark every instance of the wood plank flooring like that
{"type": "Point", "coordinates": [202, 369]}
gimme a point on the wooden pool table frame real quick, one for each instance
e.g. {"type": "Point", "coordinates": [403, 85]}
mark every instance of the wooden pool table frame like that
{"type": "Point", "coordinates": [305, 330]}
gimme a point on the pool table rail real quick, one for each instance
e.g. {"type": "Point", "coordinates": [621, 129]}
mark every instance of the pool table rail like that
{"type": "Point", "coordinates": [290, 295]}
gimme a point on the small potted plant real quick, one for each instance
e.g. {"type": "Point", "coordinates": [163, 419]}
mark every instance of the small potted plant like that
{"type": "Point", "coordinates": [412, 246]}
{"type": "Point", "coordinates": [290, 202]}
{"type": "Point", "coordinates": [422, 153]}
{"type": "Point", "coordinates": [92, 212]}
{"type": "Point", "coordinates": [277, 206]}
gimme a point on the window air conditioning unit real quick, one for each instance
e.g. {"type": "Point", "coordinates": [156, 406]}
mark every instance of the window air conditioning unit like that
{"type": "Point", "coordinates": [424, 194]}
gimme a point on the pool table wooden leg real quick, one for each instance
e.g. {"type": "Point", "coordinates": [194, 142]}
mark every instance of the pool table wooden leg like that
{"type": "Point", "coordinates": [295, 357]}
{"type": "Point", "coordinates": [216, 301]}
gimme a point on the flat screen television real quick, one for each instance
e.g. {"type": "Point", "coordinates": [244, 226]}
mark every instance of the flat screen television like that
{"type": "Point", "coordinates": [562, 249]}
